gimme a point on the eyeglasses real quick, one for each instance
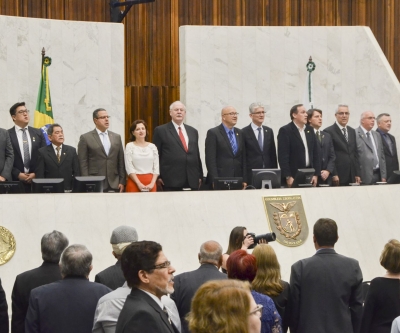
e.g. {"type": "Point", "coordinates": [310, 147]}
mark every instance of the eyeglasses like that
{"type": "Point", "coordinates": [369, 118]}
{"type": "Point", "coordinates": [259, 113]}
{"type": "Point", "coordinates": [176, 110]}
{"type": "Point", "coordinates": [257, 311]}
{"type": "Point", "coordinates": [104, 117]}
{"type": "Point", "coordinates": [231, 114]}
{"type": "Point", "coordinates": [23, 112]}
{"type": "Point", "coordinates": [165, 264]}
{"type": "Point", "coordinates": [343, 113]}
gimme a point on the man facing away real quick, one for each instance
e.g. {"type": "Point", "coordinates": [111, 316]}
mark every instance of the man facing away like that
{"type": "Point", "coordinates": [326, 289]}
{"type": "Point", "coordinates": [100, 153]}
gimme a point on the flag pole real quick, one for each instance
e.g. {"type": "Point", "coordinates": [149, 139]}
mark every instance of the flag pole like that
{"type": "Point", "coordinates": [310, 68]}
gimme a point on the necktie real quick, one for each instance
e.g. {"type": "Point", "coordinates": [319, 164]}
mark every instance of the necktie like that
{"type": "Point", "coordinates": [106, 143]}
{"type": "Point", "coordinates": [25, 145]}
{"type": "Point", "coordinates": [167, 314]}
{"type": "Point", "coordinates": [345, 134]}
{"type": "Point", "coordinates": [319, 136]}
{"type": "Point", "coordinates": [260, 142]}
{"type": "Point", "coordinates": [232, 142]}
{"type": "Point", "coordinates": [182, 139]}
{"type": "Point", "coordinates": [58, 154]}
{"type": "Point", "coordinates": [369, 139]}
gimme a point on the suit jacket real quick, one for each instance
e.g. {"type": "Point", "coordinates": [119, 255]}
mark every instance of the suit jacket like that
{"type": "Point", "coordinates": [37, 141]}
{"type": "Point", "coordinates": [178, 167]}
{"type": "Point", "coordinates": [46, 273]}
{"type": "Point", "coordinates": [48, 166]}
{"type": "Point", "coordinates": [366, 155]}
{"type": "Point", "coordinates": [64, 306]}
{"type": "Point", "coordinates": [325, 294]}
{"type": "Point", "coordinates": [220, 160]}
{"type": "Point", "coordinates": [292, 153]}
{"type": "Point", "coordinates": [94, 161]}
{"type": "Point", "coordinates": [347, 166]}
{"type": "Point", "coordinates": [186, 285]}
{"type": "Point", "coordinates": [112, 277]}
{"type": "Point", "coordinates": [327, 156]}
{"type": "Point", "coordinates": [142, 314]}
{"type": "Point", "coordinates": [255, 158]}
{"type": "Point", "coordinates": [6, 155]}
{"type": "Point", "coordinates": [392, 160]}
{"type": "Point", "coordinates": [3, 311]}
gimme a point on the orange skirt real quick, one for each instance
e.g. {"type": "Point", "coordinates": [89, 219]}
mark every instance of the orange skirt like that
{"type": "Point", "coordinates": [144, 179]}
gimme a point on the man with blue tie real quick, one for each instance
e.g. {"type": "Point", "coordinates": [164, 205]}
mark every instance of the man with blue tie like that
{"type": "Point", "coordinates": [225, 149]}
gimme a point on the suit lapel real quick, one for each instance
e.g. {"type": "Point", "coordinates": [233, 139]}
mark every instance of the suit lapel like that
{"type": "Point", "coordinates": [190, 135]}
{"type": "Point", "coordinates": [225, 136]}
{"type": "Point", "coordinates": [96, 138]}
{"type": "Point", "coordinates": [52, 154]}
{"type": "Point", "coordinates": [340, 134]}
{"type": "Point", "coordinates": [175, 135]}
{"type": "Point", "coordinates": [14, 141]}
{"type": "Point", "coordinates": [363, 137]}
{"type": "Point", "coordinates": [296, 132]}
{"type": "Point", "coordinates": [255, 140]}
{"type": "Point", "coordinates": [309, 138]}
{"type": "Point", "coordinates": [64, 152]}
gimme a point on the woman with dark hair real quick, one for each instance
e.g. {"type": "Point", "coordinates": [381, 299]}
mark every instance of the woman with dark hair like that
{"type": "Point", "coordinates": [141, 160]}
{"type": "Point", "coordinates": [242, 266]}
{"type": "Point", "coordinates": [268, 280]}
{"type": "Point", "coordinates": [382, 304]}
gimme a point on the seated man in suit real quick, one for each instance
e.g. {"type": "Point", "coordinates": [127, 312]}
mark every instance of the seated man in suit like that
{"type": "Point", "coordinates": [6, 156]}
{"type": "Point", "coordinates": [121, 237]}
{"type": "Point", "coordinates": [384, 122]}
{"type": "Point", "coordinates": [259, 142]}
{"type": "Point", "coordinates": [52, 245]}
{"type": "Point", "coordinates": [58, 160]}
{"type": "Point", "coordinates": [26, 142]}
{"type": "Point", "coordinates": [150, 275]}
{"type": "Point", "coordinates": [186, 284]}
{"type": "Point", "coordinates": [297, 146]}
{"type": "Point", "coordinates": [225, 149]}
{"type": "Point", "coordinates": [327, 152]}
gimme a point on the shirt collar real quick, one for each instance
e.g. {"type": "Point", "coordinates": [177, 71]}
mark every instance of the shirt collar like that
{"type": "Point", "coordinates": [340, 126]}
{"type": "Point", "coordinates": [300, 129]}
{"type": "Point", "coordinates": [55, 147]}
{"type": "Point", "coordinates": [380, 131]}
{"type": "Point", "coordinates": [176, 125]}
{"type": "Point", "coordinates": [227, 130]}
{"type": "Point", "coordinates": [17, 128]}
{"type": "Point", "coordinates": [155, 298]}
{"type": "Point", "coordinates": [255, 127]}
{"type": "Point", "coordinates": [98, 131]}
{"type": "Point", "coordinates": [364, 130]}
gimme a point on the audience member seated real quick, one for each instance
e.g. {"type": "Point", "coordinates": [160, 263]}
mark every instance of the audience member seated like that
{"type": "Point", "coordinates": [52, 245]}
{"type": "Point", "coordinates": [121, 237]}
{"type": "Point", "coordinates": [268, 280]}
{"type": "Point", "coordinates": [141, 160]}
{"type": "Point", "coordinates": [242, 266]}
{"type": "Point", "coordinates": [382, 305]}
{"type": "Point", "coordinates": [186, 284]}
{"type": "Point", "coordinates": [224, 306]}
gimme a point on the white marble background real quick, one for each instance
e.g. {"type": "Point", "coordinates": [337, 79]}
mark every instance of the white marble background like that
{"type": "Point", "coordinates": [237, 66]}
{"type": "Point", "coordinates": [87, 70]}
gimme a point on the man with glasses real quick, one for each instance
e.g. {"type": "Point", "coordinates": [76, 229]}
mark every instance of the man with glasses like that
{"type": "Point", "coordinates": [259, 142]}
{"type": "Point", "coordinates": [26, 142]}
{"type": "Point", "coordinates": [225, 149]}
{"type": "Point", "coordinates": [347, 167]}
{"type": "Point", "coordinates": [370, 151]}
{"type": "Point", "coordinates": [100, 153]}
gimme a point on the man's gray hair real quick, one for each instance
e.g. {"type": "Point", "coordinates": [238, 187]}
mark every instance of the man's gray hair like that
{"type": "Point", "coordinates": [378, 119]}
{"type": "Point", "coordinates": [210, 252]}
{"type": "Point", "coordinates": [171, 107]}
{"type": "Point", "coordinates": [254, 106]}
{"type": "Point", "coordinates": [76, 260]}
{"type": "Point", "coordinates": [341, 106]}
{"type": "Point", "coordinates": [52, 245]}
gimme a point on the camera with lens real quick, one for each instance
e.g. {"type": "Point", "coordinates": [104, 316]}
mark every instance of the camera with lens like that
{"type": "Point", "coordinates": [270, 237]}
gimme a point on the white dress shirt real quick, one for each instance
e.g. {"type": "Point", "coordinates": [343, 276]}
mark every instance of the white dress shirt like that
{"type": "Point", "coordinates": [303, 137]}
{"type": "Point", "coordinates": [183, 132]}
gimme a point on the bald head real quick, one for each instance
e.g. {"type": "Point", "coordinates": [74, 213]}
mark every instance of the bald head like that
{"type": "Point", "coordinates": [229, 116]}
{"type": "Point", "coordinates": [211, 253]}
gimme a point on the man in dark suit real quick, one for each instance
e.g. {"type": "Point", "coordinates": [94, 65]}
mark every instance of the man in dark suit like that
{"type": "Point", "coordinates": [298, 147]}
{"type": "Point", "coordinates": [389, 143]}
{"type": "Point", "coordinates": [52, 245]}
{"type": "Point", "coordinates": [186, 284]}
{"type": "Point", "coordinates": [259, 142]}
{"type": "Point", "coordinates": [4, 325]}
{"type": "Point", "coordinates": [6, 156]}
{"type": "Point", "coordinates": [26, 142]}
{"type": "Point", "coordinates": [67, 305]}
{"type": "Point", "coordinates": [178, 149]}
{"type": "Point", "coordinates": [100, 153]}
{"type": "Point", "coordinates": [347, 167]}
{"type": "Point", "coordinates": [121, 237]}
{"type": "Point", "coordinates": [150, 275]}
{"type": "Point", "coordinates": [225, 149]}
{"type": "Point", "coordinates": [325, 144]}
{"type": "Point", "coordinates": [58, 160]}
{"type": "Point", "coordinates": [326, 289]}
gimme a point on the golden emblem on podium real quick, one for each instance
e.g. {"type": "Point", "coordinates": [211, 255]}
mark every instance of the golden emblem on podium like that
{"type": "Point", "coordinates": [7, 245]}
{"type": "Point", "coordinates": [287, 219]}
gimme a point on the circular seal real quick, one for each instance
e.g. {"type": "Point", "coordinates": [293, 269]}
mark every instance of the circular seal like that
{"type": "Point", "coordinates": [7, 245]}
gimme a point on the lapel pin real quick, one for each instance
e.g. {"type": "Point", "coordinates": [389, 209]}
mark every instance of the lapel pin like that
{"type": "Point", "coordinates": [266, 131]}
{"type": "Point", "coordinates": [308, 131]}
{"type": "Point", "coordinates": [33, 139]}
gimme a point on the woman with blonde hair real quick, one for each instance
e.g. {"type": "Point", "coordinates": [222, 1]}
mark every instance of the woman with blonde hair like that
{"type": "Point", "coordinates": [268, 280]}
{"type": "Point", "coordinates": [224, 306]}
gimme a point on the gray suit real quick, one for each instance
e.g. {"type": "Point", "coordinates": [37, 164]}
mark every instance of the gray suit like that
{"type": "Point", "coordinates": [6, 155]}
{"type": "Point", "coordinates": [94, 161]}
{"type": "Point", "coordinates": [366, 156]}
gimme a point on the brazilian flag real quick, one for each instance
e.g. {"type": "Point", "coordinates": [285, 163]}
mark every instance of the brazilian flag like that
{"type": "Point", "coordinates": [43, 117]}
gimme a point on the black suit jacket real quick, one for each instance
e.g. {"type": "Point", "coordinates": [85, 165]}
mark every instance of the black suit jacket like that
{"type": "Point", "coordinates": [142, 314]}
{"type": "Point", "coordinates": [327, 156]}
{"type": "Point", "coordinates": [178, 167]}
{"type": "Point", "coordinates": [292, 153]}
{"type": "Point", "coordinates": [255, 158]}
{"type": "Point", "coordinates": [3, 311]}
{"type": "Point", "coordinates": [220, 160]}
{"type": "Point", "coordinates": [112, 277]}
{"type": "Point", "coordinates": [392, 160]}
{"type": "Point", "coordinates": [326, 294]}
{"type": "Point", "coordinates": [48, 166]}
{"type": "Point", "coordinates": [46, 273]}
{"type": "Point", "coordinates": [6, 155]}
{"type": "Point", "coordinates": [347, 166]}
{"type": "Point", "coordinates": [186, 285]}
{"type": "Point", "coordinates": [64, 306]}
